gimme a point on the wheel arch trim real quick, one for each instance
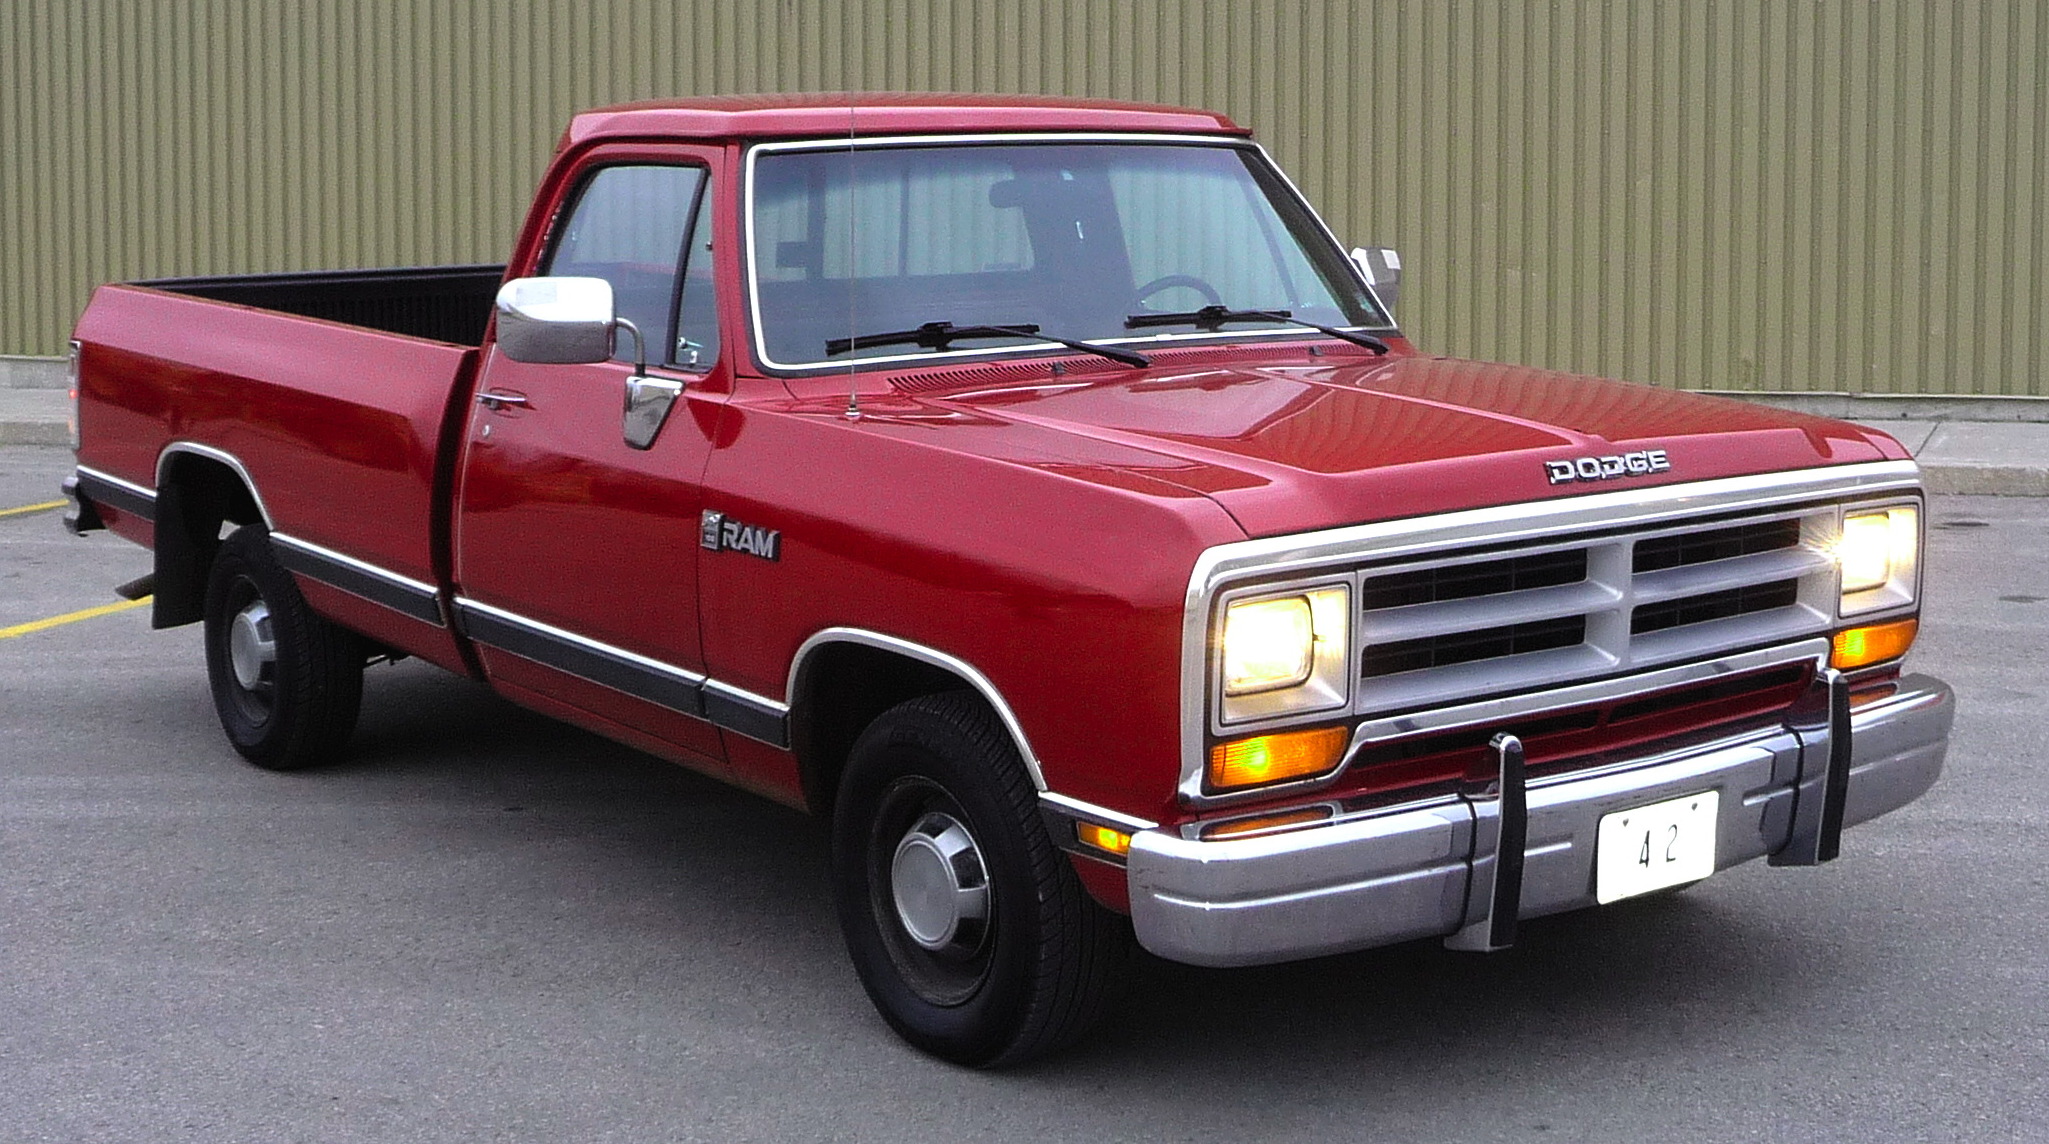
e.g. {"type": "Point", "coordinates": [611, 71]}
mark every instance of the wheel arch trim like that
{"type": "Point", "coordinates": [176, 449]}
{"type": "Point", "coordinates": [949, 663]}
{"type": "Point", "coordinates": [301, 557]}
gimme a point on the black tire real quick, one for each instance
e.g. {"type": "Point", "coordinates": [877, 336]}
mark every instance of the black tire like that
{"type": "Point", "coordinates": [1041, 961]}
{"type": "Point", "coordinates": [291, 700]}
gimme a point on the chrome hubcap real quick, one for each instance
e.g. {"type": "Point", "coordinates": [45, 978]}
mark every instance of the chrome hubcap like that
{"type": "Point", "coordinates": [940, 884]}
{"type": "Point", "coordinates": [252, 650]}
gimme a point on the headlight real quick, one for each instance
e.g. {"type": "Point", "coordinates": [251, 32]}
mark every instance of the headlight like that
{"type": "Point", "coordinates": [1268, 644]}
{"type": "Point", "coordinates": [1879, 554]}
{"type": "Point", "coordinates": [1285, 652]}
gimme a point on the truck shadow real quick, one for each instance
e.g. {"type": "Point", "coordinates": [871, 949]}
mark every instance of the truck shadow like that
{"type": "Point", "coordinates": [713, 876]}
{"type": "Point", "coordinates": [674, 856]}
{"type": "Point", "coordinates": [1632, 983]}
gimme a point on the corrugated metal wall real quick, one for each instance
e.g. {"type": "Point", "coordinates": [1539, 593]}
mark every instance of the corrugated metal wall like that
{"type": "Point", "coordinates": [1760, 194]}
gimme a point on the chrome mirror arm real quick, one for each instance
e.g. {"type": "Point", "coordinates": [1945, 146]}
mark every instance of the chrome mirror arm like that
{"type": "Point", "coordinates": [639, 344]}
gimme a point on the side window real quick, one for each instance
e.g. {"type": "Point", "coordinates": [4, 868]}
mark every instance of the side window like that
{"type": "Point", "coordinates": [628, 227]}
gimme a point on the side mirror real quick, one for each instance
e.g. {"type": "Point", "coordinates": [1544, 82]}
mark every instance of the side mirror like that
{"type": "Point", "coordinates": [556, 321]}
{"type": "Point", "coordinates": [1383, 269]}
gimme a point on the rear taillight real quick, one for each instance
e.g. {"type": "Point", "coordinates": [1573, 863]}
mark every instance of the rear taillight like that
{"type": "Point", "coordinates": [71, 383]}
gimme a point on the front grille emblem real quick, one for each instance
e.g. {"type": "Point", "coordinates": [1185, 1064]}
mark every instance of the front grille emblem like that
{"type": "Point", "coordinates": [1637, 464]}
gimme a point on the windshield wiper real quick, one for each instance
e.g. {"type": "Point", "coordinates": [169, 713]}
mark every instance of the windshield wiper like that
{"type": "Point", "coordinates": [942, 335]}
{"type": "Point", "coordinates": [1212, 319]}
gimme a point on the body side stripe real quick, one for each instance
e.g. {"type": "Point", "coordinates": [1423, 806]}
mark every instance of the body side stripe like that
{"type": "Point", "coordinates": [360, 578]}
{"type": "Point", "coordinates": [115, 493]}
{"type": "Point", "coordinates": [688, 692]}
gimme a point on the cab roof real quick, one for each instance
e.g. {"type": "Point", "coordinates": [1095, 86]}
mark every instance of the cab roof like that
{"type": "Point", "coordinates": [881, 113]}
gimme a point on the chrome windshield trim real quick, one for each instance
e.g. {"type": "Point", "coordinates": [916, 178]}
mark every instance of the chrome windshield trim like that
{"type": "Point", "coordinates": [843, 143]}
{"type": "Point", "coordinates": [971, 138]}
{"type": "Point", "coordinates": [936, 658]}
{"type": "Point", "coordinates": [224, 457]}
{"type": "Point", "coordinates": [1525, 522]}
{"type": "Point", "coordinates": [1358, 275]}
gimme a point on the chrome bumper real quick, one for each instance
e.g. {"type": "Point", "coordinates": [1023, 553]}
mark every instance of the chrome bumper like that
{"type": "Point", "coordinates": [1410, 872]}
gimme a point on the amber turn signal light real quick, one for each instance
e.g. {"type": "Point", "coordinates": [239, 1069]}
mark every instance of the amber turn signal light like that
{"type": "Point", "coordinates": [1103, 838]}
{"type": "Point", "coordinates": [1265, 822]}
{"type": "Point", "coordinates": [1861, 647]}
{"type": "Point", "coordinates": [1275, 758]}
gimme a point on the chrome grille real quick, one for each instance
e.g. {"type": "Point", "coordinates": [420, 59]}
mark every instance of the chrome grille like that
{"type": "Point", "coordinates": [1713, 606]}
{"type": "Point", "coordinates": [1671, 586]}
{"type": "Point", "coordinates": [1715, 544]}
{"type": "Point", "coordinates": [1464, 581]}
{"type": "Point", "coordinates": [1465, 624]}
{"type": "Point", "coordinates": [1465, 647]}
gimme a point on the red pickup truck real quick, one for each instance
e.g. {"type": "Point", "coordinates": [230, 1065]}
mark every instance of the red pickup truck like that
{"type": "Point", "coordinates": [1036, 490]}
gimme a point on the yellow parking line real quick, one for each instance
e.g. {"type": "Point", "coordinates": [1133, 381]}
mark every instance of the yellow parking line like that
{"type": "Point", "coordinates": [26, 509]}
{"type": "Point", "coordinates": [70, 618]}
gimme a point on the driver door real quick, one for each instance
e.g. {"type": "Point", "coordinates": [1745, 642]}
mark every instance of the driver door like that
{"type": "Point", "coordinates": [575, 547]}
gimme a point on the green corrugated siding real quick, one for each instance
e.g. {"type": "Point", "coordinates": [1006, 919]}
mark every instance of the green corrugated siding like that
{"type": "Point", "coordinates": [1829, 195]}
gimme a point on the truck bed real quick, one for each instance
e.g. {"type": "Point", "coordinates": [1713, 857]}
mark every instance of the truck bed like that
{"type": "Point", "coordinates": [333, 393]}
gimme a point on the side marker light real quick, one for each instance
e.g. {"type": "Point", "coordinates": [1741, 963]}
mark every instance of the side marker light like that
{"type": "Point", "coordinates": [1103, 838]}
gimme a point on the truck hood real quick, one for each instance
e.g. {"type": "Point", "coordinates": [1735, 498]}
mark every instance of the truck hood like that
{"type": "Point", "coordinates": [1294, 447]}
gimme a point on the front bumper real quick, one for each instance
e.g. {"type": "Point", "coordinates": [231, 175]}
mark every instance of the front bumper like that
{"type": "Point", "coordinates": [1409, 872]}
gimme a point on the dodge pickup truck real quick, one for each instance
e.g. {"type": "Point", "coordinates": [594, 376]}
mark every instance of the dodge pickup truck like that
{"type": "Point", "coordinates": [1038, 492]}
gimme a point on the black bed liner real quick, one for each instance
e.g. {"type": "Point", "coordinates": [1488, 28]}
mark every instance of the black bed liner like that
{"type": "Point", "coordinates": [440, 303]}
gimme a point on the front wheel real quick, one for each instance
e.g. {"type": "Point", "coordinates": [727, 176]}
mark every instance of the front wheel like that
{"type": "Point", "coordinates": [969, 930]}
{"type": "Point", "coordinates": [287, 682]}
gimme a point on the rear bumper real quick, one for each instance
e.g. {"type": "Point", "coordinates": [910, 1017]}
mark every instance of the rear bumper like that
{"type": "Point", "coordinates": [82, 516]}
{"type": "Point", "coordinates": [1408, 872]}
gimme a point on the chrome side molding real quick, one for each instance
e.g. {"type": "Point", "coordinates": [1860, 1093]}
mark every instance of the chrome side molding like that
{"type": "Point", "coordinates": [360, 578]}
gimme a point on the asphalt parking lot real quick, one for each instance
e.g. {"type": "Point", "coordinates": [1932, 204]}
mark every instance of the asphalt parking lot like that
{"type": "Point", "coordinates": [488, 926]}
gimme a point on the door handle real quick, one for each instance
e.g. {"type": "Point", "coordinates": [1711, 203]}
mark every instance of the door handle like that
{"type": "Point", "coordinates": [497, 399]}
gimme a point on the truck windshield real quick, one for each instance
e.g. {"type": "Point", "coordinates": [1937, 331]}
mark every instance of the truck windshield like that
{"type": "Point", "coordinates": [1070, 237]}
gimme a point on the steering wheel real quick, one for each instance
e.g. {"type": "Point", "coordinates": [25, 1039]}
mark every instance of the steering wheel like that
{"type": "Point", "coordinates": [1169, 282]}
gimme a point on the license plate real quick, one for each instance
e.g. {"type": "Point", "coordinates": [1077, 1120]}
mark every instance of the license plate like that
{"type": "Point", "coordinates": [1651, 847]}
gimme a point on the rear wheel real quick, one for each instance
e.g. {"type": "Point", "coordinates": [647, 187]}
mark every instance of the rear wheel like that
{"type": "Point", "coordinates": [969, 930]}
{"type": "Point", "coordinates": [287, 683]}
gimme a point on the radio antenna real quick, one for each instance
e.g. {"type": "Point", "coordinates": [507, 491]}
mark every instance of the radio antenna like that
{"type": "Point", "coordinates": [853, 411]}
